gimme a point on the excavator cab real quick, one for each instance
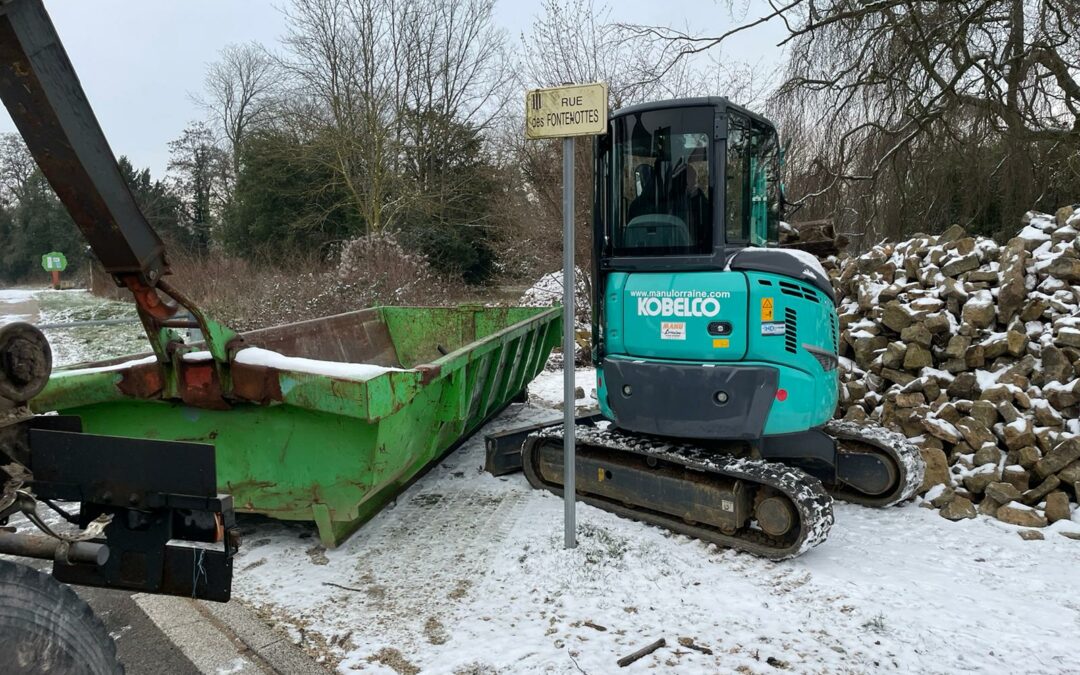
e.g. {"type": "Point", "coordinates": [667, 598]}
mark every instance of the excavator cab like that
{"type": "Point", "coordinates": [694, 178]}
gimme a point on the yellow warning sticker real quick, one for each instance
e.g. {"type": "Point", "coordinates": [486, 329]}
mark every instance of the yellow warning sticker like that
{"type": "Point", "coordinates": [766, 309]}
{"type": "Point", "coordinates": [600, 475]}
{"type": "Point", "coordinates": [721, 343]}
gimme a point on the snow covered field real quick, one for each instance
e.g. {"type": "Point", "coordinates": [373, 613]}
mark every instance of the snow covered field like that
{"type": "Point", "coordinates": [76, 345]}
{"type": "Point", "coordinates": [17, 304]}
{"type": "Point", "coordinates": [467, 574]}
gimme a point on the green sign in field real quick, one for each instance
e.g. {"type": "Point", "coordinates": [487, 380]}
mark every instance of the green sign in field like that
{"type": "Point", "coordinates": [54, 262]}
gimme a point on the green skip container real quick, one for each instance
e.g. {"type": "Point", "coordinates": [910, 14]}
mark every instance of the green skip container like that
{"type": "Point", "coordinates": [326, 420]}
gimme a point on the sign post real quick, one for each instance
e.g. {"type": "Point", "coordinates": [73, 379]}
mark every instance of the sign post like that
{"type": "Point", "coordinates": [54, 262]}
{"type": "Point", "coordinates": [566, 112]}
{"type": "Point", "coordinates": [569, 350]}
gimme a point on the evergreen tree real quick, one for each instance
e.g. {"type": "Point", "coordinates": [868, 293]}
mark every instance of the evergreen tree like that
{"type": "Point", "coordinates": [452, 183]}
{"type": "Point", "coordinates": [199, 169]}
{"type": "Point", "coordinates": [36, 225]}
{"type": "Point", "coordinates": [286, 199]}
{"type": "Point", "coordinates": [159, 204]}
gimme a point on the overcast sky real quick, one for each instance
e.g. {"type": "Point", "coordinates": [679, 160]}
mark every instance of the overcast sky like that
{"type": "Point", "coordinates": [140, 60]}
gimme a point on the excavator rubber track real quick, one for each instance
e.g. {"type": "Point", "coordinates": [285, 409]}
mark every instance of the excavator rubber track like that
{"type": "Point", "coordinates": [764, 508]}
{"type": "Point", "coordinates": [903, 457]}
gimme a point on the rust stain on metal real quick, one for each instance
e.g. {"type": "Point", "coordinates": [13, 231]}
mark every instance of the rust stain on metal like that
{"type": "Point", "coordinates": [143, 381]}
{"type": "Point", "coordinates": [257, 384]}
{"type": "Point", "coordinates": [199, 386]}
{"type": "Point", "coordinates": [429, 372]}
{"type": "Point", "coordinates": [148, 299]}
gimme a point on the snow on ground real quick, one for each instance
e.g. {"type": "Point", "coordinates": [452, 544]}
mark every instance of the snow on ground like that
{"type": "Point", "coordinates": [17, 304]}
{"type": "Point", "coordinates": [75, 345]}
{"type": "Point", "coordinates": [547, 389]}
{"type": "Point", "coordinates": [92, 343]}
{"type": "Point", "coordinates": [466, 573]}
{"type": "Point", "coordinates": [16, 295]}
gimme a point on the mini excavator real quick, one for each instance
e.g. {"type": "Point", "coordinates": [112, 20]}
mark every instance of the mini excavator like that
{"type": "Point", "coordinates": [716, 351]}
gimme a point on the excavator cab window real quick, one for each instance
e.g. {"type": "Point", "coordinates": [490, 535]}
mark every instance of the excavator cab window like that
{"type": "Point", "coordinates": [661, 201]}
{"type": "Point", "coordinates": [737, 179]}
{"type": "Point", "coordinates": [752, 191]}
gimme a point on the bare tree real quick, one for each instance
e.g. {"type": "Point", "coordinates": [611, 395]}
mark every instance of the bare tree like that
{"type": "Point", "coordinates": [455, 87]}
{"type": "Point", "coordinates": [577, 41]}
{"type": "Point", "coordinates": [17, 165]}
{"type": "Point", "coordinates": [337, 51]}
{"type": "Point", "coordinates": [877, 89]}
{"type": "Point", "coordinates": [240, 93]}
{"type": "Point", "coordinates": [378, 76]}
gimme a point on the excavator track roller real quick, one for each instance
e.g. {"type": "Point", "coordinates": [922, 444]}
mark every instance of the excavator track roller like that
{"type": "Point", "coordinates": [775, 515]}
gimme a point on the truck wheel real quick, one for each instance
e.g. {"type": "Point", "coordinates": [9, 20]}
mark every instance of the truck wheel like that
{"type": "Point", "coordinates": [46, 628]}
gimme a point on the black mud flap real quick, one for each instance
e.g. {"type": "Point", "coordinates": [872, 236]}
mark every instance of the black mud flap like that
{"type": "Point", "coordinates": [170, 533]}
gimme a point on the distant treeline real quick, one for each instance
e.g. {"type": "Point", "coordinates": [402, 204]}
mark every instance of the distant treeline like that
{"type": "Point", "coordinates": [402, 119]}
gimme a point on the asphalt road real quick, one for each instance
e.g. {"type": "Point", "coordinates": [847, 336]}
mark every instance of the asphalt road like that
{"type": "Point", "coordinates": [141, 645]}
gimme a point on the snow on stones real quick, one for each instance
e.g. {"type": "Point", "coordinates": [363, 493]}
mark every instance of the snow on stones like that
{"type": "Point", "coordinates": [548, 291]}
{"type": "Point", "coordinates": [972, 350]}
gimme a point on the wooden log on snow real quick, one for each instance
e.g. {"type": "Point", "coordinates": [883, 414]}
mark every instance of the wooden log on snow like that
{"type": "Point", "coordinates": [644, 651]}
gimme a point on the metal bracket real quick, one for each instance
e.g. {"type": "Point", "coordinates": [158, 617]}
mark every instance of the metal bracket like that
{"type": "Point", "coordinates": [169, 531]}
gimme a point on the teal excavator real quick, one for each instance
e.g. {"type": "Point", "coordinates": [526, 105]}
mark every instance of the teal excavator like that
{"type": "Point", "coordinates": [716, 350]}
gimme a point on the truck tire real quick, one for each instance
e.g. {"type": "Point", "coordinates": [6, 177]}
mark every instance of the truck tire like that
{"type": "Point", "coordinates": [46, 628]}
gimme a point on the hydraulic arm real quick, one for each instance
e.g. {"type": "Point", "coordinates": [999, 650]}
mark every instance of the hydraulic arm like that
{"type": "Point", "coordinates": [42, 93]}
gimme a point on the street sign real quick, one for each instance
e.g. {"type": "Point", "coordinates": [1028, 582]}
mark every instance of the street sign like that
{"type": "Point", "coordinates": [565, 112]}
{"type": "Point", "coordinates": [54, 262]}
{"type": "Point", "coordinates": [571, 110]}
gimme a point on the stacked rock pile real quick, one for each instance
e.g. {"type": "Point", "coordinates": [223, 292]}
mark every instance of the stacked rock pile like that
{"type": "Point", "coordinates": [973, 350]}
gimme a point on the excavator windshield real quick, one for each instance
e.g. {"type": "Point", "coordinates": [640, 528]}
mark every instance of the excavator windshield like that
{"type": "Point", "coordinates": [661, 201]}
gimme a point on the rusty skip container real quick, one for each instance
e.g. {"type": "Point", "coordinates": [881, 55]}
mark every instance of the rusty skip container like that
{"type": "Point", "coordinates": [302, 431]}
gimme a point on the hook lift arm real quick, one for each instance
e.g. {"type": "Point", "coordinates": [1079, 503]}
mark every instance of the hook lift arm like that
{"type": "Point", "coordinates": [41, 90]}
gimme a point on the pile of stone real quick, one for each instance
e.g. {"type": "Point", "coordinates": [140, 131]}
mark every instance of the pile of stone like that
{"type": "Point", "coordinates": [972, 349]}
